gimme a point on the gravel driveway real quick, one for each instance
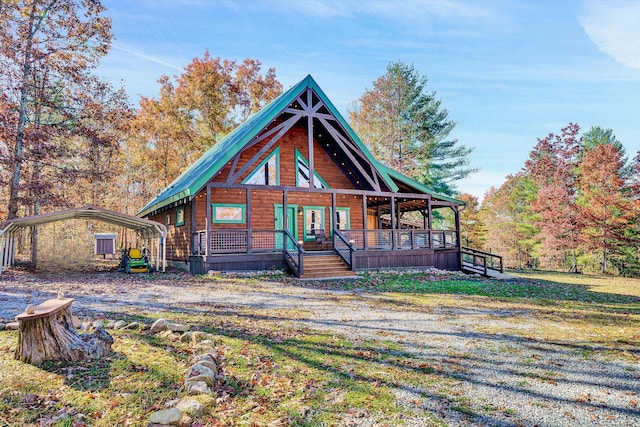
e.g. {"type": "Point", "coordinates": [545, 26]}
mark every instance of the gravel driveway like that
{"type": "Point", "coordinates": [506, 380]}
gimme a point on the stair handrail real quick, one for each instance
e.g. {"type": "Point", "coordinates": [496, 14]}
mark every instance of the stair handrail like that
{"type": "Point", "coordinates": [474, 264]}
{"type": "Point", "coordinates": [339, 239]}
{"type": "Point", "coordinates": [486, 256]}
{"type": "Point", "coordinates": [296, 265]}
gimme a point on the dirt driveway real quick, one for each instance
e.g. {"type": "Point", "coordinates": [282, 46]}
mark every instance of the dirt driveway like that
{"type": "Point", "coordinates": [504, 378]}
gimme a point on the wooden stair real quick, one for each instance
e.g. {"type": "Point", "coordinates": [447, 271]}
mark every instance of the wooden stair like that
{"type": "Point", "coordinates": [325, 265]}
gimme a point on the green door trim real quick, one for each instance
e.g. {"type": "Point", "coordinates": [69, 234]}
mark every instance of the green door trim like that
{"type": "Point", "coordinates": [293, 220]}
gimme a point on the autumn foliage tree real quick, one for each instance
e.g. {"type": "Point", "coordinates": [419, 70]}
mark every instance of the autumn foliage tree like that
{"type": "Point", "coordinates": [609, 215]}
{"type": "Point", "coordinates": [576, 202]}
{"type": "Point", "coordinates": [510, 224]}
{"type": "Point", "coordinates": [552, 167]}
{"type": "Point", "coordinates": [471, 227]}
{"type": "Point", "coordinates": [192, 113]}
{"type": "Point", "coordinates": [47, 48]}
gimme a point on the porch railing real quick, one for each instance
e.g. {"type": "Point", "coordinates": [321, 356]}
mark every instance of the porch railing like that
{"type": "Point", "coordinates": [481, 260]}
{"type": "Point", "coordinates": [198, 243]}
{"type": "Point", "coordinates": [400, 239]}
{"type": "Point", "coordinates": [241, 241]}
{"type": "Point", "coordinates": [342, 246]}
{"type": "Point", "coordinates": [293, 253]}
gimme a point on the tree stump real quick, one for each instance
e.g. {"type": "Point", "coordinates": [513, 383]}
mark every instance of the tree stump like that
{"type": "Point", "coordinates": [47, 333]}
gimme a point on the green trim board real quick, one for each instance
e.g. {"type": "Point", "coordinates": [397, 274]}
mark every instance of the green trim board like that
{"type": "Point", "coordinates": [275, 153]}
{"type": "Point", "coordinates": [228, 213]}
{"type": "Point", "coordinates": [179, 216]}
{"type": "Point", "coordinates": [348, 218]}
{"type": "Point", "coordinates": [278, 213]}
{"type": "Point", "coordinates": [308, 221]}
{"type": "Point", "coordinates": [299, 157]}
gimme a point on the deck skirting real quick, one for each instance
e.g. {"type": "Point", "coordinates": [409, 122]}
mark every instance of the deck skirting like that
{"type": "Point", "coordinates": [446, 259]}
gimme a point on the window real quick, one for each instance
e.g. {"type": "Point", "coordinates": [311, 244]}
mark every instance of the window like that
{"type": "Point", "coordinates": [180, 216]}
{"type": "Point", "coordinates": [313, 220]}
{"type": "Point", "coordinates": [225, 213]}
{"type": "Point", "coordinates": [343, 219]}
{"type": "Point", "coordinates": [268, 172]}
{"type": "Point", "coordinates": [302, 177]}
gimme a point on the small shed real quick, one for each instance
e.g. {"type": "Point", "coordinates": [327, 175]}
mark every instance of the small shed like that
{"type": "Point", "coordinates": [104, 243]}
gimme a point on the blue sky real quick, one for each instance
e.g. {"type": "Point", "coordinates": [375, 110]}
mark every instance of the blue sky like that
{"type": "Point", "coordinates": [507, 71]}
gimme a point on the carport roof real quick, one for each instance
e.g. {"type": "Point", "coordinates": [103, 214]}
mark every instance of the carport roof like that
{"type": "Point", "coordinates": [87, 212]}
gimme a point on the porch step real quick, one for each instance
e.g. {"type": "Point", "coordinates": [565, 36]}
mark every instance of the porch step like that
{"type": "Point", "coordinates": [325, 266]}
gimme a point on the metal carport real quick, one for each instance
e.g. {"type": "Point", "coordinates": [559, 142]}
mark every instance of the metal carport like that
{"type": "Point", "coordinates": [144, 228]}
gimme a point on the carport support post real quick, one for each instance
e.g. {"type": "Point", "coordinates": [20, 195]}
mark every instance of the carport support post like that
{"type": "Point", "coordinates": [164, 252]}
{"type": "Point", "coordinates": [12, 250]}
{"type": "Point", "coordinates": [3, 245]}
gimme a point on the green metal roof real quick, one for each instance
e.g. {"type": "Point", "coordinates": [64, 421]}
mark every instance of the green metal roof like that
{"type": "Point", "coordinates": [195, 177]}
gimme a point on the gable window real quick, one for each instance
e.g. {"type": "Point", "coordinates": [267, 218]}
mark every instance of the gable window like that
{"type": "Point", "coordinates": [267, 172]}
{"type": "Point", "coordinates": [313, 220]}
{"type": "Point", "coordinates": [302, 177]}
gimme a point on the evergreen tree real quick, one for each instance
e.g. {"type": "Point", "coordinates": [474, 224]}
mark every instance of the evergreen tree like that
{"type": "Point", "coordinates": [405, 127]}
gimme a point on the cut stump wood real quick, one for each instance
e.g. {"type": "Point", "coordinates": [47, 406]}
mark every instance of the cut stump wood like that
{"type": "Point", "coordinates": [47, 333]}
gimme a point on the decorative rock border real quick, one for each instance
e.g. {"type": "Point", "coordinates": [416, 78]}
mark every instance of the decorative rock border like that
{"type": "Point", "coordinates": [204, 378]}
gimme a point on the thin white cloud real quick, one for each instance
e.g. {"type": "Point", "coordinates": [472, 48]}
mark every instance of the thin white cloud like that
{"type": "Point", "coordinates": [406, 10]}
{"type": "Point", "coordinates": [614, 27]}
{"type": "Point", "coordinates": [135, 52]}
{"type": "Point", "coordinates": [315, 8]}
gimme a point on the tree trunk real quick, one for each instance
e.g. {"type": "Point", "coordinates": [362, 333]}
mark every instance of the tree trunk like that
{"type": "Point", "coordinates": [14, 187]}
{"type": "Point", "coordinates": [47, 333]}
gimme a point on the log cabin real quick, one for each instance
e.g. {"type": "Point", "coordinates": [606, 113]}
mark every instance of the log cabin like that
{"type": "Point", "coordinates": [295, 188]}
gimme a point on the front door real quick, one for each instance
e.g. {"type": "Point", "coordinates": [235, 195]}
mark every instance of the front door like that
{"type": "Point", "coordinates": [292, 225]}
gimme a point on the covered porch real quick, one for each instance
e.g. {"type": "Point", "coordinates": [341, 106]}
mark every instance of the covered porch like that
{"type": "Point", "coordinates": [367, 229]}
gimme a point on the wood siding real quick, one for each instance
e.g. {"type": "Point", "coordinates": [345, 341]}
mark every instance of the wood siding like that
{"type": "Point", "coordinates": [296, 138]}
{"type": "Point", "coordinates": [178, 236]}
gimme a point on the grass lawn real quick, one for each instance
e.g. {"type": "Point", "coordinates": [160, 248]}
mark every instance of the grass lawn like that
{"type": "Point", "coordinates": [280, 373]}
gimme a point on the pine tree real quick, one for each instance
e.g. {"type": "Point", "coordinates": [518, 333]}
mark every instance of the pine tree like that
{"type": "Point", "coordinates": [405, 127]}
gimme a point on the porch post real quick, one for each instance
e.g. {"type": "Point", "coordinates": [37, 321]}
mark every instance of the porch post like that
{"type": "Point", "coordinates": [334, 214]}
{"type": "Point", "coordinates": [364, 221]}
{"type": "Point", "coordinates": [249, 215]}
{"type": "Point", "coordinates": [207, 236]}
{"type": "Point", "coordinates": [285, 214]}
{"type": "Point", "coordinates": [310, 141]}
{"type": "Point", "coordinates": [458, 244]}
{"type": "Point", "coordinates": [193, 227]}
{"type": "Point", "coordinates": [429, 224]}
{"type": "Point", "coordinates": [392, 214]}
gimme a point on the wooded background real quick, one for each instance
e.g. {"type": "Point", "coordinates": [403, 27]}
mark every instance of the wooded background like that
{"type": "Point", "coordinates": [68, 138]}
